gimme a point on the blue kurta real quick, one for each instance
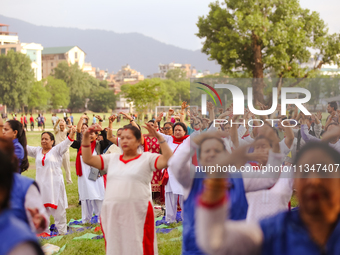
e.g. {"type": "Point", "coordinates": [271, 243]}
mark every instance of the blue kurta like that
{"type": "Point", "coordinates": [18, 195]}
{"type": "Point", "coordinates": [14, 232]}
{"type": "Point", "coordinates": [238, 211]}
{"type": "Point", "coordinates": [286, 234]}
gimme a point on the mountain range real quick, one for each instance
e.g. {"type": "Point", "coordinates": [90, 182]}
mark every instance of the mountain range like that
{"type": "Point", "coordinates": [110, 50]}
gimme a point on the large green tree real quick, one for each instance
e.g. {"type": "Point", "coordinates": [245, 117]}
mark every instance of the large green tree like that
{"type": "Point", "coordinates": [38, 97]}
{"type": "Point", "coordinates": [145, 94]}
{"type": "Point", "coordinates": [102, 100]}
{"type": "Point", "coordinates": [79, 83]}
{"type": "Point", "coordinates": [176, 75]}
{"type": "Point", "coordinates": [16, 79]}
{"type": "Point", "coordinates": [261, 36]}
{"type": "Point", "coordinates": [60, 93]}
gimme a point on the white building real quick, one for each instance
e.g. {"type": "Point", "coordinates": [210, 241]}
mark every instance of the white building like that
{"type": "Point", "coordinates": [51, 57]}
{"type": "Point", "coordinates": [10, 41]}
{"type": "Point", "coordinates": [326, 69]}
{"type": "Point", "coordinates": [33, 50]}
{"type": "Point", "coordinates": [164, 68]}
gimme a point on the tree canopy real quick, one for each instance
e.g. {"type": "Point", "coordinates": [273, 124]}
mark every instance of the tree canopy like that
{"type": "Point", "coordinates": [60, 93]}
{"type": "Point", "coordinates": [79, 83]}
{"type": "Point", "coordinates": [38, 97]}
{"type": "Point", "coordinates": [176, 75]}
{"type": "Point", "coordinates": [16, 79]}
{"type": "Point", "coordinates": [145, 95]}
{"type": "Point", "coordinates": [261, 36]}
{"type": "Point", "coordinates": [102, 100]}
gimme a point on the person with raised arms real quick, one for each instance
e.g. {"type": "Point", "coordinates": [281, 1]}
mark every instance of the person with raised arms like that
{"type": "Point", "coordinates": [127, 216]}
{"type": "Point", "coordinates": [313, 229]}
{"type": "Point", "coordinates": [209, 146]}
{"type": "Point", "coordinates": [60, 133]}
{"type": "Point", "coordinates": [49, 176]}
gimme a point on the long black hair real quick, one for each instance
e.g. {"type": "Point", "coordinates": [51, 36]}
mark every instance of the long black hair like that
{"type": "Point", "coordinates": [7, 170]}
{"type": "Point", "coordinates": [21, 136]}
{"type": "Point", "coordinates": [51, 137]}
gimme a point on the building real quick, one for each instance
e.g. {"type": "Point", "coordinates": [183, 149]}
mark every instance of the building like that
{"type": "Point", "coordinates": [33, 50]}
{"type": "Point", "coordinates": [101, 74]}
{"type": "Point", "coordinates": [51, 57]}
{"type": "Point", "coordinates": [89, 69]}
{"type": "Point", "coordinates": [128, 75]}
{"type": "Point", "coordinates": [10, 41]}
{"type": "Point", "coordinates": [164, 68]}
{"type": "Point", "coordinates": [326, 69]}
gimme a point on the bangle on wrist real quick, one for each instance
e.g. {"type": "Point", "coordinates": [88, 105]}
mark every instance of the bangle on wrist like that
{"type": "Point", "coordinates": [161, 141]}
{"type": "Point", "coordinates": [86, 146]}
{"type": "Point", "coordinates": [131, 120]}
{"type": "Point", "coordinates": [100, 120]}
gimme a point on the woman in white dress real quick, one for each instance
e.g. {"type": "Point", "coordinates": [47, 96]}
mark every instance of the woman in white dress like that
{"type": "Point", "coordinates": [90, 187]}
{"type": "Point", "coordinates": [173, 189]}
{"type": "Point", "coordinates": [127, 217]}
{"type": "Point", "coordinates": [49, 176]}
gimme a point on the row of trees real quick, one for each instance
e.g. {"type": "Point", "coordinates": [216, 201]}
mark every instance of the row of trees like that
{"type": "Point", "coordinates": [67, 87]}
{"type": "Point", "coordinates": [152, 92]}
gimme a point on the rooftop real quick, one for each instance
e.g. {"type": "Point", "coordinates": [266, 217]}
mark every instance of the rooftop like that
{"type": "Point", "coordinates": [57, 50]}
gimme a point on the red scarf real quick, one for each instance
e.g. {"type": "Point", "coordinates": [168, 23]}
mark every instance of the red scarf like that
{"type": "Point", "coordinates": [78, 161]}
{"type": "Point", "coordinates": [179, 140]}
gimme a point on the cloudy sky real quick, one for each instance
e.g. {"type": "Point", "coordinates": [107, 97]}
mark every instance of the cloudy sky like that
{"type": "Point", "coordinates": [169, 21]}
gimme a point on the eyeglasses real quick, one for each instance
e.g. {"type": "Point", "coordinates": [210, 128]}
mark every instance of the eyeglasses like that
{"type": "Point", "coordinates": [166, 128]}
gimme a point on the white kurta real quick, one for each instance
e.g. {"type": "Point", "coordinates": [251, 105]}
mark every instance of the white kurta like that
{"type": "Point", "coordinates": [49, 175]}
{"type": "Point", "coordinates": [88, 189]}
{"type": "Point", "coordinates": [173, 185]}
{"type": "Point", "coordinates": [127, 215]}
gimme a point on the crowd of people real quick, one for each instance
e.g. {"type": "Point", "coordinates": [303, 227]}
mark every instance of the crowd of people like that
{"type": "Point", "coordinates": [122, 174]}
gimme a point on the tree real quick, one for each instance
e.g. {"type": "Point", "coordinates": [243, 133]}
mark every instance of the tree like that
{"type": "Point", "coordinates": [262, 36]}
{"type": "Point", "coordinates": [145, 94]}
{"type": "Point", "coordinates": [79, 83]}
{"type": "Point", "coordinates": [60, 93]}
{"type": "Point", "coordinates": [102, 100]}
{"type": "Point", "coordinates": [104, 84]}
{"type": "Point", "coordinates": [38, 96]}
{"type": "Point", "coordinates": [16, 79]}
{"type": "Point", "coordinates": [176, 75]}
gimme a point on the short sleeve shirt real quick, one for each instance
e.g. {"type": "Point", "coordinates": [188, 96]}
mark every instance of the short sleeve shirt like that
{"type": "Point", "coordinates": [129, 179]}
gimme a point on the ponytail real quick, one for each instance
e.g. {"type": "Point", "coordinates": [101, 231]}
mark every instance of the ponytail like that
{"type": "Point", "coordinates": [21, 136]}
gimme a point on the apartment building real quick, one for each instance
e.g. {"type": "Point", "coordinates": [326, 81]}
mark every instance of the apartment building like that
{"type": "Point", "coordinates": [51, 57]}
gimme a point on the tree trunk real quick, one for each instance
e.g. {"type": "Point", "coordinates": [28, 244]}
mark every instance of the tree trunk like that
{"type": "Point", "coordinates": [258, 84]}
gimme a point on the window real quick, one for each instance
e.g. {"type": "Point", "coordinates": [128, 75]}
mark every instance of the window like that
{"type": "Point", "coordinates": [76, 55]}
{"type": "Point", "coordinates": [14, 49]}
{"type": "Point", "coordinates": [52, 64]}
{"type": "Point", "coordinates": [3, 51]}
{"type": "Point", "coordinates": [61, 56]}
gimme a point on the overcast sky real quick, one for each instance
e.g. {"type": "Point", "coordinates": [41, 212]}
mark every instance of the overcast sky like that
{"type": "Point", "coordinates": [169, 21]}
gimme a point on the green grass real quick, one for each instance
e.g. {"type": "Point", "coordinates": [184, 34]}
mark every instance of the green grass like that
{"type": "Point", "coordinates": [166, 246]}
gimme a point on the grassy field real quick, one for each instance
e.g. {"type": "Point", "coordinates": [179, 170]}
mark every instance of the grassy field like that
{"type": "Point", "coordinates": [166, 246]}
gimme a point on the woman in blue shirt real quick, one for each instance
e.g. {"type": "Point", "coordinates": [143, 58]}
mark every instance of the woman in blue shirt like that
{"type": "Point", "coordinates": [14, 130]}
